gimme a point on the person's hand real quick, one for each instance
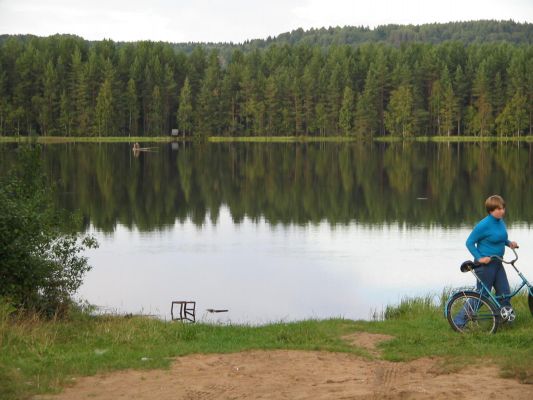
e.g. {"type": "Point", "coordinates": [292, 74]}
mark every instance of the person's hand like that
{"type": "Point", "coordinates": [513, 245]}
{"type": "Point", "coordinates": [484, 260]}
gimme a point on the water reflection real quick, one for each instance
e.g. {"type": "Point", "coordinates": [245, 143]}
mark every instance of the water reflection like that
{"type": "Point", "coordinates": [265, 273]}
{"type": "Point", "coordinates": [407, 183]}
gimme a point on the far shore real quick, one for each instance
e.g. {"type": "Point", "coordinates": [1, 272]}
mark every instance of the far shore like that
{"type": "Point", "coordinates": [261, 139]}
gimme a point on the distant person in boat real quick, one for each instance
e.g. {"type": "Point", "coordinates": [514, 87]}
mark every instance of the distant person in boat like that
{"type": "Point", "coordinates": [136, 149]}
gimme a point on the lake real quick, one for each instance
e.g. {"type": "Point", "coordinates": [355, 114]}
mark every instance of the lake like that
{"type": "Point", "coordinates": [281, 232]}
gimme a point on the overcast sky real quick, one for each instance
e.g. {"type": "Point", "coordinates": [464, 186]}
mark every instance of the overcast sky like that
{"type": "Point", "coordinates": [235, 20]}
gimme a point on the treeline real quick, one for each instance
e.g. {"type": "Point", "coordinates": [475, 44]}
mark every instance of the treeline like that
{"type": "Point", "coordinates": [63, 85]}
{"type": "Point", "coordinates": [467, 32]}
{"type": "Point", "coordinates": [481, 31]}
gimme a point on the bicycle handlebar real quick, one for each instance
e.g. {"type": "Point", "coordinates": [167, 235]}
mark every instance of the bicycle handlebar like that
{"type": "Point", "coordinates": [506, 262]}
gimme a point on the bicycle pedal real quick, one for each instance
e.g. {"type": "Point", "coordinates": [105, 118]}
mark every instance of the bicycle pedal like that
{"type": "Point", "coordinates": [507, 314]}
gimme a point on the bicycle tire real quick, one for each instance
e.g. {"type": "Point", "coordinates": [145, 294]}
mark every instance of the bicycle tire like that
{"type": "Point", "coordinates": [480, 314]}
{"type": "Point", "coordinates": [530, 301]}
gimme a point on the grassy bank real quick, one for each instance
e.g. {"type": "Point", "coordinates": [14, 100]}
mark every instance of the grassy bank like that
{"type": "Point", "coordinates": [95, 139]}
{"type": "Point", "coordinates": [283, 139]}
{"type": "Point", "coordinates": [164, 139]}
{"type": "Point", "coordinates": [455, 139]}
{"type": "Point", "coordinates": [39, 356]}
{"type": "Point", "coordinates": [264, 139]}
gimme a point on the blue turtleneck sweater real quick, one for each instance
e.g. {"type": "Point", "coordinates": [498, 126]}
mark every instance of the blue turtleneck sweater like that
{"type": "Point", "coordinates": [488, 238]}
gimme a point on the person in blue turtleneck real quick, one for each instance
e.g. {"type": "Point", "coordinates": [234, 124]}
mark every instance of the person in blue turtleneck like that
{"type": "Point", "coordinates": [489, 238]}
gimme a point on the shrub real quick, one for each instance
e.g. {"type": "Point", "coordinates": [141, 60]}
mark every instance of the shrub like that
{"type": "Point", "coordinates": [40, 262]}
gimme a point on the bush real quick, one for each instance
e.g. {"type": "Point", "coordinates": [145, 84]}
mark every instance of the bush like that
{"type": "Point", "coordinates": [40, 262]}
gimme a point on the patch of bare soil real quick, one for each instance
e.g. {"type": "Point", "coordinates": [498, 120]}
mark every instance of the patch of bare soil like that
{"type": "Point", "coordinates": [367, 341]}
{"type": "Point", "coordinates": [291, 374]}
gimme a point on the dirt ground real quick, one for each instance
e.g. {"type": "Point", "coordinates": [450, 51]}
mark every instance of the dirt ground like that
{"type": "Point", "coordinates": [298, 375]}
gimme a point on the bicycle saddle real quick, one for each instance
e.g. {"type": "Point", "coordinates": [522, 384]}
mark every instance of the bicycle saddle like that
{"type": "Point", "coordinates": [467, 266]}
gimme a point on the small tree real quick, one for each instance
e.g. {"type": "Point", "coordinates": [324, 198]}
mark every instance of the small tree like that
{"type": "Point", "coordinates": [104, 109]}
{"type": "Point", "coordinates": [40, 262]}
{"type": "Point", "coordinates": [347, 111]}
{"type": "Point", "coordinates": [399, 118]}
{"type": "Point", "coordinates": [513, 119]}
{"type": "Point", "coordinates": [185, 111]}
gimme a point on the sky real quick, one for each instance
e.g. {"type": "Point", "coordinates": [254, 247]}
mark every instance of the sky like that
{"type": "Point", "coordinates": [235, 20]}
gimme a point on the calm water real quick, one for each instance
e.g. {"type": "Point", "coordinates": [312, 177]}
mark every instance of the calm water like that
{"type": "Point", "coordinates": [284, 231]}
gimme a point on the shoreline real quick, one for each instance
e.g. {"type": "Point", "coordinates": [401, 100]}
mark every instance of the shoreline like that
{"type": "Point", "coordinates": [83, 345]}
{"type": "Point", "coordinates": [264, 139]}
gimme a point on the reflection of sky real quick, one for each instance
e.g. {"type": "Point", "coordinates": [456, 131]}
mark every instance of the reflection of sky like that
{"type": "Point", "coordinates": [264, 273]}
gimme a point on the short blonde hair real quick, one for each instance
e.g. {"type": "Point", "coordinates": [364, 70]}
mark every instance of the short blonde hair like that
{"type": "Point", "coordinates": [493, 202]}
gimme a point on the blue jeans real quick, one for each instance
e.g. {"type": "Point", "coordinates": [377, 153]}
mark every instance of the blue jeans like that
{"type": "Point", "coordinates": [493, 276]}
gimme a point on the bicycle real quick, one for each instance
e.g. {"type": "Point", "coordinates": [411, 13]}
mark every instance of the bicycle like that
{"type": "Point", "coordinates": [473, 310]}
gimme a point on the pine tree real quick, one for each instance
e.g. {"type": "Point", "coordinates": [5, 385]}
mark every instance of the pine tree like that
{"type": "Point", "coordinates": [209, 111]}
{"type": "Point", "coordinates": [399, 117]}
{"type": "Point", "coordinates": [335, 97]}
{"type": "Point", "coordinates": [104, 110]}
{"type": "Point", "coordinates": [49, 99]}
{"type": "Point", "coordinates": [169, 94]}
{"type": "Point", "coordinates": [448, 111]}
{"type": "Point", "coordinates": [65, 115]}
{"type": "Point", "coordinates": [25, 90]}
{"type": "Point", "coordinates": [231, 91]}
{"type": "Point", "coordinates": [347, 111]}
{"type": "Point", "coordinates": [435, 101]}
{"type": "Point", "coordinates": [482, 121]}
{"type": "Point", "coordinates": [185, 111]}
{"type": "Point", "coordinates": [460, 88]}
{"type": "Point", "coordinates": [272, 106]}
{"type": "Point", "coordinates": [367, 113]}
{"type": "Point", "coordinates": [132, 106]}
{"type": "Point", "coordinates": [312, 90]}
{"type": "Point", "coordinates": [80, 95]}
{"type": "Point", "coordinates": [514, 118]}
{"type": "Point", "coordinates": [155, 118]}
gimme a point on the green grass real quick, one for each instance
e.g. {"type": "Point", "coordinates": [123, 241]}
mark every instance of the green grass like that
{"type": "Point", "coordinates": [86, 139]}
{"type": "Point", "coordinates": [420, 330]}
{"type": "Point", "coordinates": [212, 139]}
{"type": "Point", "coordinates": [455, 139]}
{"type": "Point", "coordinates": [283, 139]}
{"type": "Point", "coordinates": [41, 356]}
{"type": "Point", "coordinates": [261, 139]}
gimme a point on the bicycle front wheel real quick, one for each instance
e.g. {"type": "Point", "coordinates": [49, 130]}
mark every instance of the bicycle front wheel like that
{"type": "Point", "coordinates": [470, 312]}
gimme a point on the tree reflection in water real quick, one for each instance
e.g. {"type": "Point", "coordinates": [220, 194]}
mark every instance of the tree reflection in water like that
{"type": "Point", "coordinates": [416, 184]}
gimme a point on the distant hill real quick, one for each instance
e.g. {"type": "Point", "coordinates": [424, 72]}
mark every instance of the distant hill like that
{"type": "Point", "coordinates": [483, 31]}
{"type": "Point", "coordinates": [466, 32]}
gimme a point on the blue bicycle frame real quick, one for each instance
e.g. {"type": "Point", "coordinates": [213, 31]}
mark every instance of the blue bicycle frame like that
{"type": "Point", "coordinates": [495, 298]}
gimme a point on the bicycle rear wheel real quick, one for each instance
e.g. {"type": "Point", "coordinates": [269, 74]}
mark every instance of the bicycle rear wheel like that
{"type": "Point", "coordinates": [469, 312]}
{"type": "Point", "coordinates": [530, 301]}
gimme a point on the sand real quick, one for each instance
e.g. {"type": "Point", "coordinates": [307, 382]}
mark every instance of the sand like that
{"type": "Point", "coordinates": [289, 374]}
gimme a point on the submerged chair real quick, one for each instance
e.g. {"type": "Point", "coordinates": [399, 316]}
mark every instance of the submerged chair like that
{"type": "Point", "coordinates": [187, 311]}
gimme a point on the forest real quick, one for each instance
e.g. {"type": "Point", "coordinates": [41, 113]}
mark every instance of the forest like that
{"type": "Point", "coordinates": [297, 84]}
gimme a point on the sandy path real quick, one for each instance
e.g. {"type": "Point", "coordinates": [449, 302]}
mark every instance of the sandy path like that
{"type": "Point", "coordinates": [297, 375]}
